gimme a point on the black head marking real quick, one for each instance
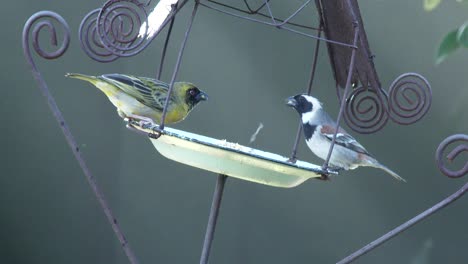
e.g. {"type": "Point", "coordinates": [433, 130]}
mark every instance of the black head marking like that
{"type": "Point", "coordinates": [193, 96]}
{"type": "Point", "coordinates": [302, 105]}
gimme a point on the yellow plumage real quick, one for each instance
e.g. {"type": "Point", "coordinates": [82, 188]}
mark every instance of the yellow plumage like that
{"type": "Point", "coordinates": [137, 97]}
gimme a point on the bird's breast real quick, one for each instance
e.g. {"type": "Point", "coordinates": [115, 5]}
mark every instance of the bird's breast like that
{"type": "Point", "coordinates": [318, 145]}
{"type": "Point", "coordinates": [131, 106]}
{"type": "Point", "coordinates": [175, 115]}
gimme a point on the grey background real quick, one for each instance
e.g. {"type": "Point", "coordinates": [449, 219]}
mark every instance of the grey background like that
{"type": "Point", "coordinates": [48, 212]}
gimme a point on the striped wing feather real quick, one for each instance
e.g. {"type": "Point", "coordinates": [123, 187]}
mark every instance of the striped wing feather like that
{"type": "Point", "coordinates": [149, 92]}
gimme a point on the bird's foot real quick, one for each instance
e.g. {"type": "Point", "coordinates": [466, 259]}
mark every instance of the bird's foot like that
{"type": "Point", "coordinates": [128, 122]}
{"type": "Point", "coordinates": [329, 170]}
{"type": "Point", "coordinates": [155, 131]}
{"type": "Point", "coordinates": [143, 121]}
{"type": "Point", "coordinates": [134, 122]}
{"type": "Point", "coordinates": [146, 125]}
{"type": "Point", "coordinates": [130, 126]}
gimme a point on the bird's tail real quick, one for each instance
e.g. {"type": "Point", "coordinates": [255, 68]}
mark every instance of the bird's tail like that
{"type": "Point", "coordinates": [88, 78]}
{"type": "Point", "coordinates": [374, 163]}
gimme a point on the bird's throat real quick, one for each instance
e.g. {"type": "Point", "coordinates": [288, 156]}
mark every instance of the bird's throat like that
{"type": "Point", "coordinates": [308, 130]}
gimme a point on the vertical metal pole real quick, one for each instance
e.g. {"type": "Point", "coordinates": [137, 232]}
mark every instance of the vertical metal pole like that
{"type": "Point", "coordinates": [214, 212]}
{"type": "Point", "coordinates": [177, 66]}
{"type": "Point", "coordinates": [292, 158]}
{"type": "Point", "coordinates": [166, 42]}
{"type": "Point", "coordinates": [345, 94]}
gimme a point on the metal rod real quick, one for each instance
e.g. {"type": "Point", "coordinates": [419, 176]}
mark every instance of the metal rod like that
{"type": "Point", "coordinates": [292, 158]}
{"type": "Point", "coordinates": [270, 13]}
{"type": "Point", "coordinates": [214, 212]}
{"type": "Point", "coordinates": [177, 66]}
{"type": "Point", "coordinates": [280, 25]}
{"type": "Point", "coordinates": [275, 25]}
{"type": "Point", "coordinates": [293, 14]}
{"type": "Point", "coordinates": [398, 230]}
{"type": "Point", "coordinates": [247, 5]}
{"type": "Point", "coordinates": [166, 42]}
{"type": "Point", "coordinates": [256, 12]}
{"type": "Point", "coordinates": [58, 114]}
{"type": "Point", "coordinates": [345, 94]}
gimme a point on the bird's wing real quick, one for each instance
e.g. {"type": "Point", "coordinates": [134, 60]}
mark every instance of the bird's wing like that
{"type": "Point", "coordinates": [149, 92]}
{"type": "Point", "coordinates": [343, 139]}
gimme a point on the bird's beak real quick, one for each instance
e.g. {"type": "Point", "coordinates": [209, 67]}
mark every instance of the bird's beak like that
{"type": "Point", "coordinates": [291, 102]}
{"type": "Point", "coordinates": [202, 96]}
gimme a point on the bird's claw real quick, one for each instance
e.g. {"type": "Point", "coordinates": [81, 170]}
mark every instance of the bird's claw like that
{"type": "Point", "coordinates": [131, 121]}
{"type": "Point", "coordinates": [145, 124]}
{"type": "Point", "coordinates": [325, 175]}
{"type": "Point", "coordinates": [155, 133]}
{"type": "Point", "coordinates": [132, 128]}
{"type": "Point", "coordinates": [128, 121]}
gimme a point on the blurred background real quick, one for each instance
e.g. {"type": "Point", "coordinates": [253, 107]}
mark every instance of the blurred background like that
{"type": "Point", "coordinates": [49, 214]}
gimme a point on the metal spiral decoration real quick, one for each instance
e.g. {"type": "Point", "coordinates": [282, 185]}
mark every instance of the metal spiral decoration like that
{"type": "Point", "coordinates": [49, 20]}
{"type": "Point", "coordinates": [38, 22]}
{"type": "Point", "coordinates": [90, 41]}
{"type": "Point", "coordinates": [452, 155]}
{"type": "Point", "coordinates": [365, 110]}
{"type": "Point", "coordinates": [410, 98]}
{"type": "Point", "coordinates": [118, 26]}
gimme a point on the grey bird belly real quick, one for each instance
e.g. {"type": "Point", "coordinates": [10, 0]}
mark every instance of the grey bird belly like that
{"type": "Point", "coordinates": [341, 156]}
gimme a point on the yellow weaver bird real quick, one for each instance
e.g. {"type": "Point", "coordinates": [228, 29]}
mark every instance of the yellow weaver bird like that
{"type": "Point", "coordinates": [143, 98]}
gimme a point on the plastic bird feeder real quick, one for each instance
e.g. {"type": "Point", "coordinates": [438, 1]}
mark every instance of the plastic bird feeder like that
{"type": "Point", "coordinates": [231, 159]}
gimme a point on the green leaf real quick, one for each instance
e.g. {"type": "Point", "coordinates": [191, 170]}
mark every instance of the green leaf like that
{"type": "Point", "coordinates": [429, 5]}
{"type": "Point", "coordinates": [448, 45]}
{"type": "Point", "coordinates": [462, 35]}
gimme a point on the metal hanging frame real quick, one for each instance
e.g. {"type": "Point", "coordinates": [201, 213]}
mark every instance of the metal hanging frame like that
{"type": "Point", "coordinates": [95, 40]}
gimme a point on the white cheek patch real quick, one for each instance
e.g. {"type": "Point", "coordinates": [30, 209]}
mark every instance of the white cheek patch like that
{"type": "Point", "coordinates": [315, 103]}
{"type": "Point", "coordinates": [309, 116]}
{"type": "Point", "coordinates": [316, 106]}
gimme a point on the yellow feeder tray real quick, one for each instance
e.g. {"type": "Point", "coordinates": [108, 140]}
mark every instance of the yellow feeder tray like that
{"type": "Point", "coordinates": [231, 159]}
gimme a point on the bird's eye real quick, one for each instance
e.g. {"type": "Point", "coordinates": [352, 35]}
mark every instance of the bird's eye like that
{"type": "Point", "coordinates": [193, 92]}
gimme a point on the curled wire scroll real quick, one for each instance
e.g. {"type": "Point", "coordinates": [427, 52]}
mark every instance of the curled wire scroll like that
{"type": "Point", "coordinates": [90, 41]}
{"type": "Point", "coordinates": [113, 31]}
{"type": "Point", "coordinates": [365, 110]}
{"type": "Point", "coordinates": [38, 23]}
{"type": "Point", "coordinates": [451, 156]}
{"type": "Point", "coordinates": [410, 98]}
{"type": "Point", "coordinates": [118, 26]}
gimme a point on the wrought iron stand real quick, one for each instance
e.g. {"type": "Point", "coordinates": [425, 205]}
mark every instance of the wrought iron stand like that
{"type": "Point", "coordinates": [103, 39]}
